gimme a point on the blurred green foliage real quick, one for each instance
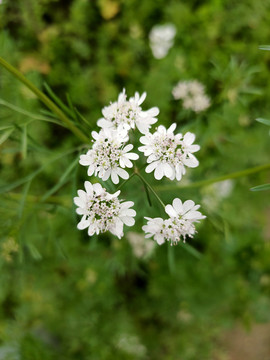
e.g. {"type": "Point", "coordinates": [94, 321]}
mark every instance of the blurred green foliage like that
{"type": "Point", "coordinates": [67, 296]}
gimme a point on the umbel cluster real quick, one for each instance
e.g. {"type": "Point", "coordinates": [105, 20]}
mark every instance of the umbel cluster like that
{"type": "Point", "coordinates": [167, 154]}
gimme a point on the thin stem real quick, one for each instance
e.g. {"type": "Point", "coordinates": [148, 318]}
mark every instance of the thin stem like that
{"type": "Point", "coordinates": [42, 97]}
{"type": "Point", "coordinates": [124, 182]}
{"type": "Point", "coordinates": [28, 114]}
{"type": "Point", "coordinates": [150, 188]}
{"type": "Point", "coordinates": [202, 183]}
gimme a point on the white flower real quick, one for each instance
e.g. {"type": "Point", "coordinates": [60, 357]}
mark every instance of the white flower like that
{"type": "Point", "coordinates": [102, 211]}
{"type": "Point", "coordinates": [192, 93]}
{"type": "Point", "coordinates": [109, 155]}
{"type": "Point", "coordinates": [155, 227]}
{"type": "Point", "coordinates": [180, 223]}
{"type": "Point", "coordinates": [168, 154]}
{"type": "Point", "coordinates": [141, 248]}
{"type": "Point", "coordinates": [161, 39]}
{"type": "Point", "coordinates": [126, 114]}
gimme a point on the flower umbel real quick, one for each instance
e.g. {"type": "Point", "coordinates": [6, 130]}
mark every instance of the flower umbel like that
{"type": "Point", "coordinates": [127, 114]}
{"type": "Point", "coordinates": [109, 155]}
{"type": "Point", "coordinates": [178, 226]}
{"type": "Point", "coordinates": [161, 39]}
{"type": "Point", "coordinates": [192, 93]}
{"type": "Point", "coordinates": [102, 211]}
{"type": "Point", "coordinates": [168, 154]}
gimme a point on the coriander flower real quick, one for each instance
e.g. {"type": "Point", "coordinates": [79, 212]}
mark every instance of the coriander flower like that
{"type": "Point", "coordinates": [109, 155]}
{"type": "Point", "coordinates": [168, 154]}
{"type": "Point", "coordinates": [178, 226]}
{"type": "Point", "coordinates": [161, 39]}
{"type": "Point", "coordinates": [192, 93]}
{"type": "Point", "coordinates": [127, 114]}
{"type": "Point", "coordinates": [102, 211]}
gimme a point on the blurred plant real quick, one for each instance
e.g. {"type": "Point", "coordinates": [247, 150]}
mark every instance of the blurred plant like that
{"type": "Point", "coordinates": [192, 93]}
{"type": "Point", "coordinates": [161, 39]}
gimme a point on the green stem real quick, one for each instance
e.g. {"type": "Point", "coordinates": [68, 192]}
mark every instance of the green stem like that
{"type": "Point", "coordinates": [124, 182]}
{"type": "Point", "coordinates": [42, 97]}
{"type": "Point", "coordinates": [202, 183]}
{"type": "Point", "coordinates": [150, 188]}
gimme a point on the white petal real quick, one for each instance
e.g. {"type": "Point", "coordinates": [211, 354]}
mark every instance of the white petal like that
{"type": "Point", "coordinates": [98, 189]}
{"type": "Point", "coordinates": [80, 211]}
{"type": "Point", "coordinates": [168, 171]}
{"type": "Point", "coordinates": [189, 138]}
{"type": "Point", "coordinates": [142, 98]}
{"type": "Point", "coordinates": [159, 172]}
{"type": "Point", "coordinates": [103, 123]}
{"type": "Point", "coordinates": [188, 205]}
{"type": "Point", "coordinates": [177, 204]}
{"type": "Point", "coordinates": [85, 160]}
{"type": "Point", "coordinates": [89, 188]}
{"type": "Point", "coordinates": [149, 168]}
{"type": "Point", "coordinates": [91, 170]}
{"type": "Point", "coordinates": [191, 161]}
{"type": "Point", "coordinates": [132, 156]}
{"type": "Point", "coordinates": [130, 212]}
{"type": "Point", "coordinates": [127, 148]}
{"type": "Point", "coordinates": [114, 177]}
{"type": "Point", "coordinates": [122, 173]}
{"type": "Point", "coordinates": [127, 220]}
{"type": "Point", "coordinates": [83, 224]}
{"type": "Point", "coordinates": [172, 128]}
{"type": "Point", "coordinates": [126, 205]}
{"type": "Point", "coordinates": [193, 148]}
{"type": "Point", "coordinates": [106, 175]}
{"type": "Point", "coordinates": [170, 210]}
{"type": "Point", "coordinates": [79, 202]}
{"type": "Point", "coordinates": [159, 239]}
{"type": "Point", "coordinates": [92, 229]}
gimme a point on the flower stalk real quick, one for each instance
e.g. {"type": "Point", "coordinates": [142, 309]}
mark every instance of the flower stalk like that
{"type": "Point", "coordinates": [43, 98]}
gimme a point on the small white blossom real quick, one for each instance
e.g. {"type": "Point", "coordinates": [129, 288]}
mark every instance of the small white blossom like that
{"type": "Point", "coordinates": [141, 248]}
{"type": "Point", "coordinates": [178, 226]}
{"type": "Point", "coordinates": [161, 39]}
{"type": "Point", "coordinates": [168, 154]}
{"type": "Point", "coordinates": [109, 155]}
{"type": "Point", "coordinates": [127, 114]}
{"type": "Point", "coordinates": [192, 93]}
{"type": "Point", "coordinates": [102, 211]}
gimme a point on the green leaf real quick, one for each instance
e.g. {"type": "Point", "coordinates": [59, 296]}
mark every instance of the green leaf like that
{"type": "Point", "coordinates": [264, 47]}
{"type": "Point", "coordinates": [8, 187]}
{"type": "Point", "coordinates": [6, 135]}
{"type": "Point", "coordinates": [24, 142]}
{"type": "Point", "coordinates": [34, 251]}
{"type": "Point", "coordinates": [23, 198]}
{"type": "Point", "coordinates": [191, 250]}
{"type": "Point", "coordinates": [63, 179]}
{"type": "Point", "coordinates": [261, 187]}
{"type": "Point", "coordinates": [31, 115]}
{"type": "Point", "coordinates": [263, 121]}
{"type": "Point", "coordinates": [57, 100]}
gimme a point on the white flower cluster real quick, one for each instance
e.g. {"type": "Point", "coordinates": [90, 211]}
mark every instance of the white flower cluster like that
{"type": "Point", "coordinates": [168, 155]}
{"type": "Point", "coordinates": [161, 39]}
{"type": "Point", "coordinates": [192, 93]}
{"type": "Point", "coordinates": [180, 223]}
{"type": "Point", "coordinates": [109, 155]}
{"type": "Point", "coordinates": [126, 114]}
{"type": "Point", "coordinates": [102, 211]}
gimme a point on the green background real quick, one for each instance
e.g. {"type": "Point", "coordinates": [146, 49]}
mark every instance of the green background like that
{"type": "Point", "coordinates": [67, 296]}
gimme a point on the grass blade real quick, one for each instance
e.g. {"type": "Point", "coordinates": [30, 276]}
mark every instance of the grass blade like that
{"type": "Point", "coordinates": [6, 135]}
{"type": "Point", "coordinates": [261, 187]}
